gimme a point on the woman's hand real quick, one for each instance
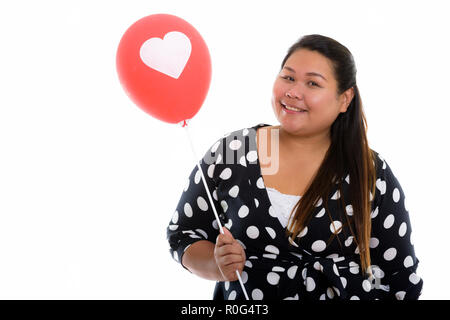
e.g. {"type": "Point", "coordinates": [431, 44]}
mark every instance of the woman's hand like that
{"type": "Point", "coordinates": [229, 255]}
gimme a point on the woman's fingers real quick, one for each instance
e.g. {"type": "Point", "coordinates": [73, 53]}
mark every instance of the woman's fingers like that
{"type": "Point", "coordinates": [229, 255]}
{"type": "Point", "coordinates": [230, 259]}
{"type": "Point", "coordinates": [226, 238]}
{"type": "Point", "coordinates": [230, 273]}
{"type": "Point", "coordinates": [234, 248]}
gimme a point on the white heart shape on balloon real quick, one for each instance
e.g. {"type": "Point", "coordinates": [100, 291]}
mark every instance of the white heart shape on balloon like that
{"type": "Point", "coordinates": [168, 55]}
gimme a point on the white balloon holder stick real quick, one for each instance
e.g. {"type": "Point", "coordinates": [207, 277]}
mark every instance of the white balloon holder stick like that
{"type": "Point", "coordinates": [185, 125]}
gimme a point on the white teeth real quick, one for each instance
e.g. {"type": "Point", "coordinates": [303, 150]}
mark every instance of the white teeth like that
{"type": "Point", "coordinates": [292, 108]}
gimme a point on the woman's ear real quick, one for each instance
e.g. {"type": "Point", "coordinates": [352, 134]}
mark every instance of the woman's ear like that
{"type": "Point", "coordinates": [347, 97]}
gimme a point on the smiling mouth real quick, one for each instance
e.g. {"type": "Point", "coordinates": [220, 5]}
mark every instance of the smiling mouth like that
{"type": "Point", "coordinates": [292, 108]}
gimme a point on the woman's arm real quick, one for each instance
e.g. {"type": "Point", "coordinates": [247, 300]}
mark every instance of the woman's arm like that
{"type": "Point", "coordinates": [218, 261]}
{"type": "Point", "coordinates": [199, 259]}
{"type": "Point", "coordinates": [391, 246]}
{"type": "Point", "coordinates": [193, 220]}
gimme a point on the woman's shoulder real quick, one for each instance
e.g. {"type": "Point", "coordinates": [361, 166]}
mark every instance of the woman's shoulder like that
{"type": "Point", "coordinates": [245, 131]}
{"type": "Point", "coordinates": [235, 141]}
{"type": "Point", "coordinates": [379, 161]}
{"type": "Point", "coordinates": [226, 140]}
{"type": "Point", "coordinates": [383, 169]}
{"type": "Point", "coordinates": [386, 180]}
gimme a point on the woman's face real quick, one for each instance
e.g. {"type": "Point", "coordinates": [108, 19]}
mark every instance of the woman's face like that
{"type": "Point", "coordinates": [307, 82]}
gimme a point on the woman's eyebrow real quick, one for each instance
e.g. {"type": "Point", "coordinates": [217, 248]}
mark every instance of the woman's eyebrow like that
{"type": "Point", "coordinates": [308, 73]}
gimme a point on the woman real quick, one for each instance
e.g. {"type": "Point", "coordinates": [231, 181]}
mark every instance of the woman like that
{"type": "Point", "coordinates": [327, 221]}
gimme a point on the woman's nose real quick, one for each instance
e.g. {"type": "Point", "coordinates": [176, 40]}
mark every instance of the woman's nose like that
{"type": "Point", "coordinates": [293, 94]}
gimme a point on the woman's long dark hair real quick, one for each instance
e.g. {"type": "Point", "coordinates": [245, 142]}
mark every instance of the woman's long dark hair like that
{"type": "Point", "coordinates": [349, 153]}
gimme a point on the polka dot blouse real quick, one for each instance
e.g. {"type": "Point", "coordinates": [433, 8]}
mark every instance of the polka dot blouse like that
{"type": "Point", "coordinates": [309, 268]}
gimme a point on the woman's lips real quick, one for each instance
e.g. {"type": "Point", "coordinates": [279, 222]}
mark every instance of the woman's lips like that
{"type": "Point", "coordinates": [292, 110]}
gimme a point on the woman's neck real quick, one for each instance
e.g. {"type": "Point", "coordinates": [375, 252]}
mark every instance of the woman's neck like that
{"type": "Point", "coordinates": [295, 145]}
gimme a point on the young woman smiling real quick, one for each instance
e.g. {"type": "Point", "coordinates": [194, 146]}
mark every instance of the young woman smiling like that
{"type": "Point", "coordinates": [330, 223]}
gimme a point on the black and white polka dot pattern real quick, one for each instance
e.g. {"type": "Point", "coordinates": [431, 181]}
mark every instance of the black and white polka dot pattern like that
{"type": "Point", "coordinates": [307, 269]}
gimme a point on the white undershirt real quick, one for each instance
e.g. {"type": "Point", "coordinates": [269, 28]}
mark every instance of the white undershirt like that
{"type": "Point", "coordinates": [282, 203]}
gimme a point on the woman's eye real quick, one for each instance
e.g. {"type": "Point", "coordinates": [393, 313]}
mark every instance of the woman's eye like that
{"type": "Point", "coordinates": [289, 78]}
{"type": "Point", "coordinates": [313, 83]}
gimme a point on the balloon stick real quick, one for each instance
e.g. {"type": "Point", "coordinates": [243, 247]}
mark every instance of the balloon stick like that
{"type": "Point", "coordinates": [185, 125]}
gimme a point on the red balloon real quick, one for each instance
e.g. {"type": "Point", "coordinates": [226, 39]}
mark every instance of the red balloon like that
{"type": "Point", "coordinates": [164, 66]}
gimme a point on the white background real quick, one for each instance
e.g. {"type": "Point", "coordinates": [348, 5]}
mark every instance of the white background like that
{"type": "Point", "coordinates": [89, 182]}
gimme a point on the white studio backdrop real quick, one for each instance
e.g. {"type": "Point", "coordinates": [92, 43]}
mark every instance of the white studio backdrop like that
{"type": "Point", "coordinates": [89, 182]}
